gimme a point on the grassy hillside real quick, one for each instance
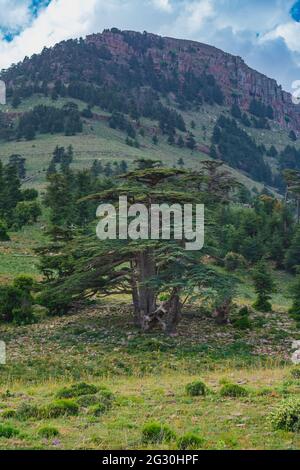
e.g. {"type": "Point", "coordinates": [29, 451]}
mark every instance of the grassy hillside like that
{"type": "Point", "coordinates": [147, 375]}
{"type": "Point", "coordinates": [99, 141]}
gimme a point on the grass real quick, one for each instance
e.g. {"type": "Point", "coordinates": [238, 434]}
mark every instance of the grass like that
{"type": "Point", "coordinates": [223, 423]}
{"type": "Point", "coordinates": [99, 141]}
{"type": "Point", "coordinates": [147, 375]}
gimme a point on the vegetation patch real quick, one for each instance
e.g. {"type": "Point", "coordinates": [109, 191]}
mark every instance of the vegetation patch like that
{"type": "Point", "coordinates": [190, 441]}
{"type": "Point", "coordinates": [63, 407]}
{"type": "Point", "coordinates": [8, 431]}
{"type": "Point", "coordinates": [48, 432]}
{"type": "Point", "coordinates": [287, 415]}
{"type": "Point", "coordinates": [196, 389]}
{"type": "Point", "coordinates": [155, 433]}
{"type": "Point", "coordinates": [77, 390]}
{"type": "Point", "coordinates": [233, 391]}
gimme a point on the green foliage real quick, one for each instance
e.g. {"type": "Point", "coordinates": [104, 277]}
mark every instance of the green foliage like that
{"type": "Point", "coordinates": [4, 237]}
{"type": "Point", "coordinates": [239, 150]}
{"type": "Point", "coordinates": [264, 285]}
{"type": "Point", "coordinates": [26, 213]}
{"type": "Point", "coordinates": [190, 441]}
{"type": "Point", "coordinates": [234, 261]}
{"type": "Point", "coordinates": [98, 410]}
{"type": "Point", "coordinates": [77, 390]}
{"type": "Point", "coordinates": [295, 291]}
{"type": "Point", "coordinates": [16, 301]}
{"type": "Point", "coordinates": [156, 433]}
{"type": "Point", "coordinates": [292, 258]}
{"type": "Point", "coordinates": [196, 389]}
{"type": "Point", "coordinates": [8, 432]}
{"type": "Point", "coordinates": [63, 407]}
{"type": "Point", "coordinates": [286, 416]}
{"type": "Point", "coordinates": [8, 413]}
{"type": "Point", "coordinates": [242, 320]}
{"type": "Point", "coordinates": [295, 372]}
{"type": "Point", "coordinates": [27, 411]}
{"type": "Point", "coordinates": [48, 432]}
{"type": "Point", "coordinates": [233, 391]}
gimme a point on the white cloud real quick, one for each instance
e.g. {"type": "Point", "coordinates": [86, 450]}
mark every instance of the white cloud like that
{"type": "Point", "coordinates": [163, 5]}
{"type": "Point", "coordinates": [13, 14]}
{"type": "Point", "coordinates": [261, 31]}
{"type": "Point", "coordinates": [290, 32]}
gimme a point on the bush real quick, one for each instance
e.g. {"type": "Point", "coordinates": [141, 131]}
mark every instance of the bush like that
{"type": "Point", "coordinates": [24, 283]}
{"type": "Point", "coordinates": [196, 389]}
{"type": "Point", "coordinates": [295, 372]}
{"type": "Point", "coordinates": [60, 408]}
{"type": "Point", "coordinates": [87, 400]}
{"type": "Point", "coordinates": [26, 213]}
{"type": "Point", "coordinates": [98, 409]}
{"type": "Point", "coordinates": [16, 301]}
{"type": "Point", "coordinates": [77, 390]}
{"type": "Point", "coordinates": [4, 237]}
{"type": "Point", "coordinates": [156, 433]}
{"type": "Point", "coordinates": [27, 411]}
{"type": "Point", "coordinates": [287, 415]}
{"type": "Point", "coordinates": [8, 431]}
{"type": "Point", "coordinates": [233, 390]}
{"type": "Point", "coordinates": [190, 441]}
{"type": "Point", "coordinates": [48, 432]}
{"type": "Point", "coordinates": [8, 413]}
{"type": "Point", "coordinates": [242, 320]}
{"type": "Point", "coordinates": [234, 261]}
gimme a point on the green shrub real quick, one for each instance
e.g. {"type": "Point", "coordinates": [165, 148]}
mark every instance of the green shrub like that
{"type": "Point", "coordinates": [287, 415]}
{"type": "Point", "coordinates": [98, 410]}
{"type": "Point", "coordinates": [39, 312]}
{"type": "Point", "coordinates": [241, 320]}
{"type": "Point", "coordinates": [196, 389]}
{"type": "Point", "coordinates": [58, 408]}
{"type": "Point", "coordinates": [87, 400]}
{"type": "Point", "coordinates": [8, 413]}
{"type": "Point", "coordinates": [24, 283]}
{"type": "Point", "coordinates": [27, 411]}
{"type": "Point", "coordinates": [48, 432]}
{"type": "Point", "coordinates": [155, 433]}
{"type": "Point", "coordinates": [4, 237]}
{"type": "Point", "coordinates": [234, 261]}
{"type": "Point", "coordinates": [295, 372]}
{"type": "Point", "coordinates": [8, 431]}
{"type": "Point", "coordinates": [190, 441]}
{"type": "Point", "coordinates": [77, 390]}
{"type": "Point", "coordinates": [233, 390]}
{"type": "Point", "coordinates": [16, 301]}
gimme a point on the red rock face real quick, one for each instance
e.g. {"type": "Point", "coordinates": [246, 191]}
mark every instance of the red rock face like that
{"type": "Point", "coordinates": [238, 81]}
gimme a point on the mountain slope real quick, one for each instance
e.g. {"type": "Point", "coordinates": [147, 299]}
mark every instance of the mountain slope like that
{"type": "Point", "coordinates": [161, 92]}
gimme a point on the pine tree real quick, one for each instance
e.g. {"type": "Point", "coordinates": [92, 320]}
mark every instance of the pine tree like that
{"type": "Point", "coordinates": [144, 268]}
{"type": "Point", "coordinates": [295, 291]}
{"type": "Point", "coordinates": [264, 286]}
{"type": "Point", "coordinates": [292, 258]}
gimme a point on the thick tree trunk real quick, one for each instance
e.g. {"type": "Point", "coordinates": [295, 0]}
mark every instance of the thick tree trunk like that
{"type": "Point", "coordinates": [144, 295]}
{"type": "Point", "coordinates": [173, 314]}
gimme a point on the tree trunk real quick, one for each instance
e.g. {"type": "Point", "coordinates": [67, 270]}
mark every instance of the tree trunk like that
{"type": "Point", "coordinates": [144, 294]}
{"type": "Point", "coordinates": [173, 315]}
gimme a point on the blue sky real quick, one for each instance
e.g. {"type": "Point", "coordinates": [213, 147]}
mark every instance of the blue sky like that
{"type": "Point", "coordinates": [266, 33]}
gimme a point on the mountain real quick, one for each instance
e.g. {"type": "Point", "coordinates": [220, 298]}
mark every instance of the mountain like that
{"type": "Point", "coordinates": [166, 64]}
{"type": "Point", "coordinates": [124, 79]}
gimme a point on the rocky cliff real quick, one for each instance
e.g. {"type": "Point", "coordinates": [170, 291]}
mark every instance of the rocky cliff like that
{"type": "Point", "coordinates": [239, 82]}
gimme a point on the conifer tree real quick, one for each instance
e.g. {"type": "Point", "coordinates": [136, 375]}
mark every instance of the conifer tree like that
{"type": "Point", "coordinates": [264, 286]}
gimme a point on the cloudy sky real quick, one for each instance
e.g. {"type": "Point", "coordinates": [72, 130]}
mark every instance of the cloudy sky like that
{"type": "Point", "coordinates": [266, 33]}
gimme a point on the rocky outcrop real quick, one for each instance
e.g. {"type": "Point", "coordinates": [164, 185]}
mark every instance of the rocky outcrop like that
{"type": "Point", "coordinates": [239, 82]}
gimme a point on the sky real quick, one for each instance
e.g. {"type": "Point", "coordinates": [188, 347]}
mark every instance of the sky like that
{"type": "Point", "coordinates": [266, 33]}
